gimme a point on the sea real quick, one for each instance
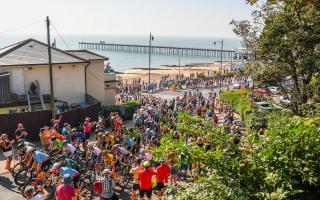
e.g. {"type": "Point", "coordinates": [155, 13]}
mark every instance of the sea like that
{"type": "Point", "coordinates": [125, 61]}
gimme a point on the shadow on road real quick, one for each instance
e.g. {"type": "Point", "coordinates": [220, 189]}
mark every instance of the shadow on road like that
{"type": "Point", "coordinates": [8, 184]}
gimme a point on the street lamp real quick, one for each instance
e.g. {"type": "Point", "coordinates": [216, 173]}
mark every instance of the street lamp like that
{"type": "Point", "coordinates": [150, 40]}
{"type": "Point", "coordinates": [215, 43]}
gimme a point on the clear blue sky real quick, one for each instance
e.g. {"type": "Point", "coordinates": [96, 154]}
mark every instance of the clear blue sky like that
{"type": "Point", "coordinates": [127, 17]}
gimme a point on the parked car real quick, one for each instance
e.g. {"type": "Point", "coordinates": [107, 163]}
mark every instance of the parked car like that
{"type": "Point", "coordinates": [274, 89]}
{"type": "Point", "coordinates": [265, 106]}
{"type": "Point", "coordinates": [285, 100]}
{"type": "Point", "coordinates": [262, 91]}
{"type": "Point", "coordinates": [236, 86]}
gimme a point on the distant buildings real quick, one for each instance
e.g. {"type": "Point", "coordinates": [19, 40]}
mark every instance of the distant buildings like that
{"type": "Point", "coordinates": [78, 78]}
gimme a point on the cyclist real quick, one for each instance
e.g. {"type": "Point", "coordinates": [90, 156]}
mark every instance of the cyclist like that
{"type": "Point", "coordinates": [41, 159]}
{"type": "Point", "coordinates": [60, 171]}
{"type": "Point", "coordinates": [96, 152]}
{"type": "Point", "coordinates": [135, 172]}
{"type": "Point", "coordinates": [65, 162]}
{"type": "Point", "coordinates": [68, 148]}
{"type": "Point", "coordinates": [145, 177]}
{"type": "Point", "coordinates": [56, 145]}
{"type": "Point", "coordinates": [108, 159]}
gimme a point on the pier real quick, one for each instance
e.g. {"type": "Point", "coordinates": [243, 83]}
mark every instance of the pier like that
{"type": "Point", "coordinates": [165, 50]}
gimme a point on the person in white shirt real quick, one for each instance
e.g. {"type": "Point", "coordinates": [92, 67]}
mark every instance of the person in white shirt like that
{"type": "Point", "coordinates": [68, 148]}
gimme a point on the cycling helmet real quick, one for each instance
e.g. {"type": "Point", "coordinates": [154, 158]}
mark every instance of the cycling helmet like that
{"type": "Point", "coordinates": [161, 160]}
{"type": "Point", "coordinates": [74, 130]}
{"type": "Point", "coordinates": [56, 166]}
{"type": "Point", "coordinates": [30, 150]}
{"type": "Point", "coordinates": [146, 164]}
{"type": "Point", "coordinates": [62, 157]}
{"type": "Point", "coordinates": [65, 142]}
{"type": "Point", "coordinates": [138, 160]}
{"type": "Point", "coordinates": [90, 145]}
{"type": "Point", "coordinates": [141, 150]}
{"type": "Point", "coordinates": [67, 179]}
{"type": "Point", "coordinates": [20, 141]}
{"type": "Point", "coordinates": [106, 171]}
{"type": "Point", "coordinates": [53, 138]}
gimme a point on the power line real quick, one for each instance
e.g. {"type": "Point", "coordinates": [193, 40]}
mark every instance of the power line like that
{"type": "Point", "coordinates": [20, 27]}
{"type": "Point", "coordinates": [65, 43]}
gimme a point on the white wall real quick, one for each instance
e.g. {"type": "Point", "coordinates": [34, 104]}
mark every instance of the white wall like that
{"type": "Point", "coordinates": [96, 85]}
{"type": "Point", "coordinates": [68, 81]}
{"type": "Point", "coordinates": [95, 80]}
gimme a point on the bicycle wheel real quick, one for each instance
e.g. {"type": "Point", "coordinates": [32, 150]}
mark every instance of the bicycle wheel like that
{"type": "Point", "coordinates": [17, 167]}
{"type": "Point", "coordinates": [86, 189]}
{"type": "Point", "coordinates": [22, 177]}
{"type": "Point", "coordinates": [26, 186]}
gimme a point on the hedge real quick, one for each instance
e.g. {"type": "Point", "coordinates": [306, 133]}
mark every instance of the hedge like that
{"type": "Point", "coordinates": [125, 110]}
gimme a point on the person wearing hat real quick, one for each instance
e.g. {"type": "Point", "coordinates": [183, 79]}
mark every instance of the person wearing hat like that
{"type": "Point", "coordinates": [163, 173]}
{"type": "Point", "coordinates": [145, 177]}
{"type": "Point", "coordinates": [135, 172]}
{"type": "Point", "coordinates": [41, 159]}
{"type": "Point", "coordinates": [66, 191]}
{"type": "Point", "coordinates": [58, 170]}
{"type": "Point", "coordinates": [108, 185]}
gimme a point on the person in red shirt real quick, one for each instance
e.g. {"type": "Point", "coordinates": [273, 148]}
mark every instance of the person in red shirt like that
{"type": "Point", "coordinates": [66, 191]}
{"type": "Point", "coordinates": [145, 177]}
{"type": "Point", "coordinates": [163, 173]}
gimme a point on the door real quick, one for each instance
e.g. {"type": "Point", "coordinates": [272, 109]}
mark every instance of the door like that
{"type": "Point", "coordinates": [17, 81]}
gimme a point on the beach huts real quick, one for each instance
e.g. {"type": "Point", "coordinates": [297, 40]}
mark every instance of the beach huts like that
{"type": "Point", "coordinates": [78, 77]}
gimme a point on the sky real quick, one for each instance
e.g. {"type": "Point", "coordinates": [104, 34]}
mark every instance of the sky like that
{"type": "Point", "coordinates": [198, 18]}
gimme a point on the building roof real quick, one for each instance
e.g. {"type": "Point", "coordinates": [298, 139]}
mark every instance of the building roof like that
{"type": "Point", "coordinates": [87, 55]}
{"type": "Point", "coordinates": [34, 52]}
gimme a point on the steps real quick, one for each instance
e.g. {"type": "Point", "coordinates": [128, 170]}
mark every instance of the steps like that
{"type": "Point", "coordinates": [35, 101]}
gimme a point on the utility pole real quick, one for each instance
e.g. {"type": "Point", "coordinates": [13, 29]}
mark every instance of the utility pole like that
{"type": "Point", "coordinates": [221, 51]}
{"type": "Point", "coordinates": [179, 70]}
{"type": "Point", "coordinates": [149, 83]}
{"type": "Point", "coordinates": [52, 106]}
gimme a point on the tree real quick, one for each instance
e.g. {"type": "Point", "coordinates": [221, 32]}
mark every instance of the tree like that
{"type": "Point", "coordinates": [288, 47]}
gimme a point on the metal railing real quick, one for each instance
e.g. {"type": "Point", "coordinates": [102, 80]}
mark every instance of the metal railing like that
{"type": "Point", "coordinates": [40, 95]}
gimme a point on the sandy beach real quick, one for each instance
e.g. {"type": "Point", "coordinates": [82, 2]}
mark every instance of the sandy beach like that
{"type": "Point", "coordinates": [171, 71]}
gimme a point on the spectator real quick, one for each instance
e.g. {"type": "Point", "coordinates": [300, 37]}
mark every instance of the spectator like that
{"type": "Point", "coordinates": [66, 191]}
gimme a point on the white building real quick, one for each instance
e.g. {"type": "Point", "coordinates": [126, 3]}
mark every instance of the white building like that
{"type": "Point", "coordinates": [25, 82]}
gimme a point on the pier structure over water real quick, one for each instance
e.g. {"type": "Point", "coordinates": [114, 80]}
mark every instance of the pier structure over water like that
{"type": "Point", "coordinates": [166, 50]}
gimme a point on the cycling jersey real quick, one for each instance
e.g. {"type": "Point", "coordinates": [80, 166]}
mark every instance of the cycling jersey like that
{"type": "Point", "coordinates": [29, 144]}
{"type": "Point", "coordinates": [68, 170]}
{"type": "Point", "coordinates": [70, 148]}
{"type": "Point", "coordinates": [40, 157]}
{"type": "Point", "coordinates": [71, 164]}
{"type": "Point", "coordinates": [96, 151]}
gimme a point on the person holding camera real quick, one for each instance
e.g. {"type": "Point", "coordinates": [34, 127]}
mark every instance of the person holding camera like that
{"type": "Point", "coordinates": [21, 132]}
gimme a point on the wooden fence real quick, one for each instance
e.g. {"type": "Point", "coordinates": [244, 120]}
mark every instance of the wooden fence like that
{"type": "Point", "coordinates": [33, 121]}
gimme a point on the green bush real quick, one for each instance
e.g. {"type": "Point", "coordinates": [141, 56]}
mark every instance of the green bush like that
{"type": "Point", "coordinates": [125, 110]}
